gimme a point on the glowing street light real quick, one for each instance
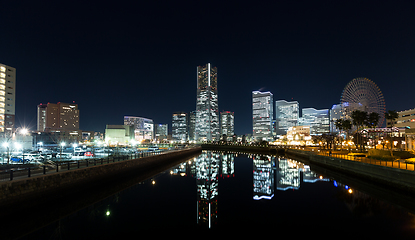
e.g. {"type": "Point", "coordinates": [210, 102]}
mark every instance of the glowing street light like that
{"type": "Point", "coordinates": [62, 145]}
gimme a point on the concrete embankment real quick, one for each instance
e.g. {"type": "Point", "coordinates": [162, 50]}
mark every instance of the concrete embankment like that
{"type": "Point", "coordinates": [399, 179]}
{"type": "Point", "coordinates": [56, 195]}
{"type": "Point", "coordinates": [242, 148]}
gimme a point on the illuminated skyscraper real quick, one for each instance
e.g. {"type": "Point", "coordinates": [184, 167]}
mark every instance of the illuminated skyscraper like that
{"type": "Point", "coordinates": [318, 120]}
{"type": "Point", "coordinates": [179, 126]}
{"type": "Point", "coordinates": [227, 123]}
{"type": "Point", "coordinates": [7, 98]}
{"type": "Point", "coordinates": [262, 115]}
{"type": "Point", "coordinates": [192, 125]}
{"type": "Point", "coordinates": [207, 111]}
{"type": "Point", "coordinates": [286, 115]}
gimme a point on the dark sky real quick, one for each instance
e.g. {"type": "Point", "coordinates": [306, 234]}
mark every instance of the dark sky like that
{"type": "Point", "coordinates": [115, 58]}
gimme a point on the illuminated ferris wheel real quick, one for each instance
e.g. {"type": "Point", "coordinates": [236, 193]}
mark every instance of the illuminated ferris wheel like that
{"type": "Point", "coordinates": [364, 95]}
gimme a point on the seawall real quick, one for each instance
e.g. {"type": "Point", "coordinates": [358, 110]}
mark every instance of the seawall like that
{"type": "Point", "coordinates": [57, 195]}
{"type": "Point", "coordinates": [19, 190]}
{"type": "Point", "coordinates": [398, 179]}
{"type": "Point", "coordinates": [242, 148]}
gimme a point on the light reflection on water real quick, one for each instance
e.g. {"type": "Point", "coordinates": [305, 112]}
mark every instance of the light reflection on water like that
{"type": "Point", "coordinates": [224, 191]}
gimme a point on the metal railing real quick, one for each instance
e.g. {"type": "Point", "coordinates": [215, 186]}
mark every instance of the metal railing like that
{"type": "Point", "coordinates": [19, 171]}
{"type": "Point", "coordinates": [340, 155]}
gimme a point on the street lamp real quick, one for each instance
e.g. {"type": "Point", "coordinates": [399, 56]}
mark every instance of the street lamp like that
{"type": "Point", "coordinates": [62, 145]}
{"type": "Point", "coordinates": [74, 146]}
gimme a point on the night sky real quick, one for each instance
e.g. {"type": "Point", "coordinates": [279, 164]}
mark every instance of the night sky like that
{"type": "Point", "coordinates": [114, 58]}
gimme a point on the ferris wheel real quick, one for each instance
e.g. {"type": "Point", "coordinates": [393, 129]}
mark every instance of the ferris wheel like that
{"type": "Point", "coordinates": [364, 95]}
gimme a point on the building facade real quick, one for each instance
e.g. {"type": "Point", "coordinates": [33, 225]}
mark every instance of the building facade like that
{"type": "Point", "coordinates": [318, 120]}
{"type": "Point", "coordinates": [143, 127]}
{"type": "Point", "coordinates": [119, 135]}
{"type": "Point", "coordinates": [179, 126]}
{"type": "Point", "coordinates": [207, 112]}
{"type": "Point", "coordinates": [262, 115]}
{"type": "Point", "coordinates": [192, 126]}
{"type": "Point", "coordinates": [162, 131]}
{"type": "Point", "coordinates": [286, 115]}
{"type": "Point", "coordinates": [227, 123]}
{"type": "Point", "coordinates": [57, 116]}
{"type": "Point", "coordinates": [7, 99]}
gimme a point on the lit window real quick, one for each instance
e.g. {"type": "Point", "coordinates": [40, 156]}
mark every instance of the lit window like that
{"type": "Point", "coordinates": [2, 69]}
{"type": "Point", "coordinates": [2, 75]}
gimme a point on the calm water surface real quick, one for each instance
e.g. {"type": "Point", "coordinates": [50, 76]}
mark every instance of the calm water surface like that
{"type": "Point", "coordinates": [223, 193]}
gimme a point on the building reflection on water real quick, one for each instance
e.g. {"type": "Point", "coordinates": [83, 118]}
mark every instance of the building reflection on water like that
{"type": "Point", "coordinates": [270, 173]}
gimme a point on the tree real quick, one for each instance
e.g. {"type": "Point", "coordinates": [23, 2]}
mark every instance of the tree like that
{"type": "Point", "coordinates": [373, 121]}
{"type": "Point", "coordinates": [391, 115]}
{"type": "Point", "coordinates": [344, 125]}
{"type": "Point", "coordinates": [359, 120]}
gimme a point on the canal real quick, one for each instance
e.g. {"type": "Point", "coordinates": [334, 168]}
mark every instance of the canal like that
{"type": "Point", "coordinates": [227, 193]}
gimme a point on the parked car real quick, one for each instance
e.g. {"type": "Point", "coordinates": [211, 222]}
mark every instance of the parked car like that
{"type": "Point", "coordinates": [88, 154]}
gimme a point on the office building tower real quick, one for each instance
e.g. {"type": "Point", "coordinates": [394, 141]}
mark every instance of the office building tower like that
{"type": "Point", "coordinates": [318, 120]}
{"type": "Point", "coordinates": [162, 131]}
{"type": "Point", "coordinates": [286, 115]}
{"type": "Point", "coordinates": [143, 127]}
{"type": "Point", "coordinates": [207, 111]}
{"type": "Point", "coordinates": [192, 125]}
{"type": "Point", "coordinates": [7, 99]}
{"type": "Point", "coordinates": [227, 123]}
{"type": "Point", "coordinates": [262, 115]}
{"type": "Point", "coordinates": [57, 116]}
{"type": "Point", "coordinates": [179, 126]}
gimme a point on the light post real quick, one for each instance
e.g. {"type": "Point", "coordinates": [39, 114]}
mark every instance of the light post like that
{"type": "Point", "coordinates": [62, 145]}
{"type": "Point", "coordinates": [74, 146]}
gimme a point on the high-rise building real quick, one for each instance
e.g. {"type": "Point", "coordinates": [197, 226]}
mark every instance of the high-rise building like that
{"type": "Point", "coordinates": [143, 127]}
{"type": "Point", "coordinates": [7, 99]}
{"type": "Point", "coordinates": [286, 115]}
{"type": "Point", "coordinates": [179, 126]}
{"type": "Point", "coordinates": [262, 115]}
{"type": "Point", "coordinates": [318, 120]}
{"type": "Point", "coordinates": [227, 123]}
{"type": "Point", "coordinates": [207, 111]}
{"type": "Point", "coordinates": [192, 125]}
{"type": "Point", "coordinates": [162, 131]}
{"type": "Point", "coordinates": [57, 116]}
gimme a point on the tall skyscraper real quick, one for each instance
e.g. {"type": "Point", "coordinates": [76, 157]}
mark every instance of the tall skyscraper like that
{"type": "Point", "coordinates": [57, 116]}
{"type": "Point", "coordinates": [162, 131]}
{"type": "Point", "coordinates": [192, 125]}
{"type": "Point", "coordinates": [286, 115]}
{"type": "Point", "coordinates": [7, 99]}
{"type": "Point", "coordinates": [179, 126]}
{"type": "Point", "coordinates": [207, 111]}
{"type": "Point", "coordinates": [262, 115]}
{"type": "Point", "coordinates": [227, 123]}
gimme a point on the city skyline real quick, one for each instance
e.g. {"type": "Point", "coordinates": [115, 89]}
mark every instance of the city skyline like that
{"type": "Point", "coordinates": [141, 60]}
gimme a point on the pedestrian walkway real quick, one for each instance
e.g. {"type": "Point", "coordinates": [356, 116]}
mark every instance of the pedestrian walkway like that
{"type": "Point", "coordinates": [400, 164]}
